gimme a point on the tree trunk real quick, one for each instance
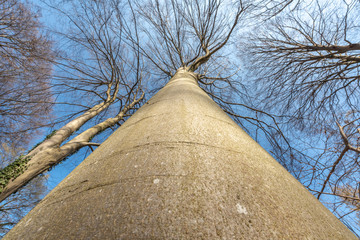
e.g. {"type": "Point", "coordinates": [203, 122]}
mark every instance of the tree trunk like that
{"type": "Point", "coordinates": [50, 152]}
{"type": "Point", "coordinates": [180, 168]}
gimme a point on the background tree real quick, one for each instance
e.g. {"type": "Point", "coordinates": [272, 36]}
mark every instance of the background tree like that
{"type": "Point", "coordinates": [307, 61]}
{"type": "Point", "coordinates": [102, 75]}
{"type": "Point", "coordinates": [25, 96]}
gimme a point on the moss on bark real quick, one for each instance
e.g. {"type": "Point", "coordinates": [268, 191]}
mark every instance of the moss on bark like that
{"type": "Point", "coordinates": [13, 170]}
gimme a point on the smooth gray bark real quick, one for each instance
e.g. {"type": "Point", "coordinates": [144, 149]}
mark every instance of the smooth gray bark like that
{"type": "Point", "coordinates": [52, 151]}
{"type": "Point", "coordinates": [180, 168]}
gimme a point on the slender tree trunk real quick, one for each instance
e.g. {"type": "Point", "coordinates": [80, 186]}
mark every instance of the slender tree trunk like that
{"type": "Point", "coordinates": [52, 152]}
{"type": "Point", "coordinates": [180, 168]}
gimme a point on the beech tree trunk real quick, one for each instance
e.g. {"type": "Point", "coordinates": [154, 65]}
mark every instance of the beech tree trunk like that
{"type": "Point", "coordinates": [51, 151]}
{"type": "Point", "coordinates": [180, 168]}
